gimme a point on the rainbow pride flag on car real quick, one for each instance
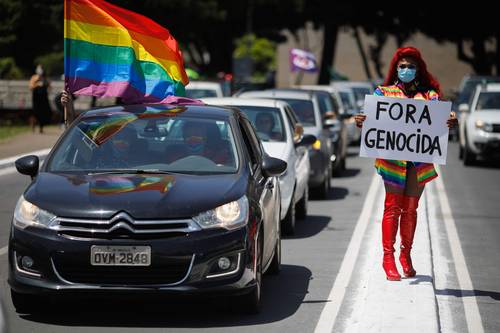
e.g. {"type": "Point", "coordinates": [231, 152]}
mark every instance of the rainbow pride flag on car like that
{"type": "Point", "coordinates": [113, 52]}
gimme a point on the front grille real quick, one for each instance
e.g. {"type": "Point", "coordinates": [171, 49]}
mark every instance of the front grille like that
{"type": "Point", "coordinates": [496, 128]}
{"type": "Point", "coordinates": [162, 271]}
{"type": "Point", "coordinates": [123, 225]}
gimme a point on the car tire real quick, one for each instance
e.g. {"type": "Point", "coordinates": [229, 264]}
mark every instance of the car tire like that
{"type": "Point", "coordinates": [288, 223]}
{"type": "Point", "coordinates": [460, 153]}
{"type": "Point", "coordinates": [27, 303]}
{"type": "Point", "coordinates": [469, 156]}
{"type": "Point", "coordinates": [251, 303]}
{"type": "Point", "coordinates": [275, 266]}
{"type": "Point", "coordinates": [301, 208]}
{"type": "Point", "coordinates": [324, 188]}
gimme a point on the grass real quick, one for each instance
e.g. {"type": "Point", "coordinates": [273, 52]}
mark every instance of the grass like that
{"type": "Point", "coordinates": [7, 132]}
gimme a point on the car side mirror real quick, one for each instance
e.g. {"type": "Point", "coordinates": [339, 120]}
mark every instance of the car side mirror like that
{"type": "Point", "coordinates": [328, 123]}
{"type": "Point", "coordinates": [345, 116]}
{"type": "Point", "coordinates": [28, 165]}
{"type": "Point", "coordinates": [273, 167]}
{"type": "Point", "coordinates": [464, 107]}
{"type": "Point", "coordinates": [306, 140]}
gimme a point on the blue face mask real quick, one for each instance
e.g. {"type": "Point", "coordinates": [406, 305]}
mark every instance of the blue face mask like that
{"type": "Point", "coordinates": [407, 74]}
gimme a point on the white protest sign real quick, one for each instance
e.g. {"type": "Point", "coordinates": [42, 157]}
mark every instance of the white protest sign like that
{"type": "Point", "coordinates": [405, 129]}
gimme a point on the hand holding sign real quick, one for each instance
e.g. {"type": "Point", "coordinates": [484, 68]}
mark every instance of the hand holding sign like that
{"type": "Point", "coordinates": [405, 129]}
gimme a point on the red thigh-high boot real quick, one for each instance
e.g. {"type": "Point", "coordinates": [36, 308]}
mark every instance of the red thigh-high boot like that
{"type": "Point", "coordinates": [390, 221]}
{"type": "Point", "coordinates": [408, 225]}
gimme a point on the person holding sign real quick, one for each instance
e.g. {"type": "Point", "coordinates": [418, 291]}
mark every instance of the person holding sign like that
{"type": "Point", "coordinates": [404, 180]}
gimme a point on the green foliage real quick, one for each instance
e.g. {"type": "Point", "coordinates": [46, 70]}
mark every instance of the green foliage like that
{"type": "Point", "coordinates": [52, 63]}
{"type": "Point", "coordinates": [9, 69]}
{"type": "Point", "coordinates": [262, 51]}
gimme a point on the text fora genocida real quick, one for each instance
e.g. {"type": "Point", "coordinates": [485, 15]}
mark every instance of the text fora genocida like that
{"type": "Point", "coordinates": [398, 141]}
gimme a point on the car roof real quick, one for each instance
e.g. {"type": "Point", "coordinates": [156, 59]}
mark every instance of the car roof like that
{"type": "Point", "coordinates": [279, 93]}
{"type": "Point", "coordinates": [326, 88]}
{"type": "Point", "coordinates": [203, 85]}
{"type": "Point", "coordinates": [163, 109]}
{"type": "Point", "coordinates": [235, 101]}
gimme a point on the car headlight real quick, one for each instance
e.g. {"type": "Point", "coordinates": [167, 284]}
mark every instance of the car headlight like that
{"type": "Point", "coordinates": [27, 214]}
{"type": "Point", "coordinates": [228, 216]}
{"type": "Point", "coordinates": [487, 127]}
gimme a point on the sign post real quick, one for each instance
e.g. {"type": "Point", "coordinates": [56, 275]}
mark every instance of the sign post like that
{"type": "Point", "coordinates": [405, 129]}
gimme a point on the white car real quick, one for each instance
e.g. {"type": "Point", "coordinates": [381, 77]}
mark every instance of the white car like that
{"type": "Point", "coordinates": [282, 138]}
{"type": "Point", "coordinates": [203, 89]}
{"type": "Point", "coordinates": [359, 88]}
{"type": "Point", "coordinates": [345, 100]}
{"type": "Point", "coordinates": [479, 124]}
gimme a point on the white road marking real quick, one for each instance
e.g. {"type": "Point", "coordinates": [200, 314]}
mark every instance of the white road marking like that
{"type": "Point", "coordinates": [7, 171]}
{"type": "Point", "coordinates": [471, 309]}
{"type": "Point", "coordinates": [336, 296]}
{"type": "Point", "coordinates": [3, 250]}
{"type": "Point", "coordinates": [12, 159]}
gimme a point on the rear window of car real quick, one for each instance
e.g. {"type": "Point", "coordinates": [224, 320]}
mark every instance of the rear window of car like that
{"type": "Point", "coordinates": [267, 122]}
{"type": "Point", "coordinates": [201, 93]}
{"type": "Point", "coordinates": [304, 109]}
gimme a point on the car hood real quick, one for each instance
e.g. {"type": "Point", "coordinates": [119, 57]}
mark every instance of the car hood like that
{"type": "Point", "coordinates": [141, 196]}
{"type": "Point", "coordinates": [277, 150]}
{"type": "Point", "coordinates": [492, 116]}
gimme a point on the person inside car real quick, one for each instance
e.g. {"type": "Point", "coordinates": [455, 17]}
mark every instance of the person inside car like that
{"type": "Point", "coordinates": [264, 124]}
{"type": "Point", "coordinates": [200, 139]}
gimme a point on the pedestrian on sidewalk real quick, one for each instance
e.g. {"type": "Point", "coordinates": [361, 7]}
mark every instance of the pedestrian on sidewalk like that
{"type": "Point", "coordinates": [404, 181]}
{"type": "Point", "coordinates": [39, 86]}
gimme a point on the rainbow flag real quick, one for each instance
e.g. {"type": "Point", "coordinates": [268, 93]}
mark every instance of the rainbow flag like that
{"type": "Point", "coordinates": [113, 52]}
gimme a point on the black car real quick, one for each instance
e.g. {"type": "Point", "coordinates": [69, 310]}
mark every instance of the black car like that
{"type": "Point", "coordinates": [159, 198]}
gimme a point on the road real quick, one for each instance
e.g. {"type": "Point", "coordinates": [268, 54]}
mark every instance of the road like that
{"type": "Point", "coordinates": [314, 261]}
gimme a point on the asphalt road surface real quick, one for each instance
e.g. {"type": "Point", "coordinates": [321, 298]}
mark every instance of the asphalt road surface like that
{"type": "Point", "coordinates": [295, 300]}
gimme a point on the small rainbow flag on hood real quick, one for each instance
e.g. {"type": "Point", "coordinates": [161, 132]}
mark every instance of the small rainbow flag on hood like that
{"type": "Point", "coordinates": [113, 52]}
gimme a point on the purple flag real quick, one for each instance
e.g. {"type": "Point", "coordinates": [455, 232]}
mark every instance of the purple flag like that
{"type": "Point", "coordinates": [301, 60]}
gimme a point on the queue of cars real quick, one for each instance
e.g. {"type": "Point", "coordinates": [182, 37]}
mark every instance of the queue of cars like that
{"type": "Point", "coordinates": [176, 199]}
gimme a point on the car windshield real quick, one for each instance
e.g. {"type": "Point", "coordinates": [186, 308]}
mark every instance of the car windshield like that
{"type": "Point", "coordinates": [201, 93]}
{"type": "Point", "coordinates": [488, 101]}
{"type": "Point", "coordinates": [304, 109]}
{"type": "Point", "coordinates": [344, 96]}
{"type": "Point", "coordinates": [134, 142]}
{"type": "Point", "coordinates": [360, 93]}
{"type": "Point", "coordinates": [267, 121]}
{"type": "Point", "coordinates": [469, 87]}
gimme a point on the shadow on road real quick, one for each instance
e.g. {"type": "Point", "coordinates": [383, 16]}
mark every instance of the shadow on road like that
{"type": "Point", "coordinates": [309, 227]}
{"type": "Point", "coordinates": [347, 173]}
{"type": "Point", "coordinates": [468, 293]}
{"type": "Point", "coordinates": [282, 296]}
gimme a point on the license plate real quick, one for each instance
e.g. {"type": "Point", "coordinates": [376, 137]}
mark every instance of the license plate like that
{"type": "Point", "coordinates": [120, 255]}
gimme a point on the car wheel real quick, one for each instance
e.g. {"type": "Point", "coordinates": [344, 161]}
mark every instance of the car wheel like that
{"type": "Point", "coordinates": [324, 188]}
{"type": "Point", "coordinates": [301, 208]}
{"type": "Point", "coordinates": [27, 303]}
{"type": "Point", "coordinates": [251, 303]}
{"type": "Point", "coordinates": [275, 266]}
{"type": "Point", "coordinates": [460, 152]}
{"type": "Point", "coordinates": [288, 223]}
{"type": "Point", "coordinates": [469, 156]}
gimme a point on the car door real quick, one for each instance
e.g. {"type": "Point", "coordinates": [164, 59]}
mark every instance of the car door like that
{"type": "Point", "coordinates": [266, 187]}
{"type": "Point", "coordinates": [301, 163]}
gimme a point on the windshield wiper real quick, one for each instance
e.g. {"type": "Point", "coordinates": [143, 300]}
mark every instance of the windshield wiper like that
{"type": "Point", "coordinates": [131, 171]}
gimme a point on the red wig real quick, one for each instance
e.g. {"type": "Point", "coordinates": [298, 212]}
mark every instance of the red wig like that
{"type": "Point", "coordinates": [424, 78]}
